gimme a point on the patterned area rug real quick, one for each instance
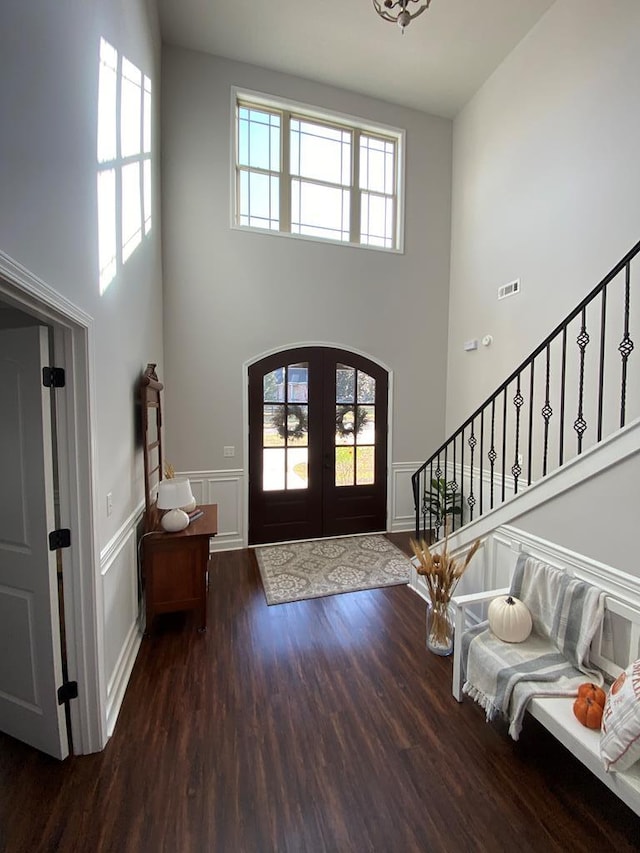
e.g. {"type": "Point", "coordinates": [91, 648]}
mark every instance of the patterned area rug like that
{"type": "Point", "coordinates": [302, 570]}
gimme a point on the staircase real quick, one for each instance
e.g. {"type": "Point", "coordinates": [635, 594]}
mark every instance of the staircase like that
{"type": "Point", "coordinates": [577, 388]}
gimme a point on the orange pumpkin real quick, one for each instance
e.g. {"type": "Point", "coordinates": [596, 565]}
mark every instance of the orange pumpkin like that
{"type": "Point", "coordinates": [588, 712]}
{"type": "Point", "coordinates": [592, 691]}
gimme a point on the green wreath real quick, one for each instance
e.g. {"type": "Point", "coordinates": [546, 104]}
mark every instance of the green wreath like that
{"type": "Point", "coordinates": [355, 424]}
{"type": "Point", "coordinates": [282, 420]}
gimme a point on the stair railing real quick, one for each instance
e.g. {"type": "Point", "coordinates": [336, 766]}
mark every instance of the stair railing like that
{"type": "Point", "coordinates": [562, 399]}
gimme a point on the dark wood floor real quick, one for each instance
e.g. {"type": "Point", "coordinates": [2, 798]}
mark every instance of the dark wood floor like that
{"type": "Point", "coordinates": [318, 726]}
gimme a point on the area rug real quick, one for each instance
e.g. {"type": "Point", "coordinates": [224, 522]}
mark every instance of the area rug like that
{"type": "Point", "coordinates": [300, 570]}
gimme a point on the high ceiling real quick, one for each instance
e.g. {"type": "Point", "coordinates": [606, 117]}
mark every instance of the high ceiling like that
{"type": "Point", "coordinates": [442, 59]}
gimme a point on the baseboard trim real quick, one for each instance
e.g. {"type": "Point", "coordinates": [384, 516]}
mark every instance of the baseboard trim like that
{"type": "Point", "coordinates": [122, 673]}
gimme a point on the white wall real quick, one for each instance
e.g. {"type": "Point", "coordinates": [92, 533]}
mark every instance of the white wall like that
{"type": "Point", "coordinates": [48, 223]}
{"type": "Point", "coordinates": [545, 187]}
{"type": "Point", "coordinates": [231, 295]}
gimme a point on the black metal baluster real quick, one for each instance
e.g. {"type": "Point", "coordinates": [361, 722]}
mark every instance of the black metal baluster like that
{"type": "Point", "coordinates": [461, 476]}
{"type": "Point", "coordinates": [580, 425]}
{"type": "Point", "coordinates": [546, 412]}
{"type": "Point", "coordinates": [504, 442]}
{"type": "Point", "coordinates": [439, 521]}
{"type": "Point", "coordinates": [563, 373]}
{"type": "Point", "coordinates": [626, 346]}
{"type": "Point", "coordinates": [446, 471]}
{"type": "Point", "coordinates": [603, 323]}
{"type": "Point", "coordinates": [492, 455]}
{"type": "Point", "coordinates": [471, 501]}
{"type": "Point", "coordinates": [481, 458]}
{"type": "Point", "coordinates": [454, 484]}
{"type": "Point", "coordinates": [428, 486]}
{"type": "Point", "coordinates": [516, 468]}
{"type": "Point", "coordinates": [530, 448]}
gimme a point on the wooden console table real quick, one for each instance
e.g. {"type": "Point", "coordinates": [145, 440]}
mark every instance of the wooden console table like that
{"type": "Point", "coordinates": [175, 567]}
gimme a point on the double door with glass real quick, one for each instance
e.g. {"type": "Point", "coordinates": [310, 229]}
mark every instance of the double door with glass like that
{"type": "Point", "coordinates": [317, 445]}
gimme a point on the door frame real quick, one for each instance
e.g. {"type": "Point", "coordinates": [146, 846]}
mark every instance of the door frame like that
{"type": "Point", "coordinates": [74, 348]}
{"type": "Point", "coordinates": [245, 418]}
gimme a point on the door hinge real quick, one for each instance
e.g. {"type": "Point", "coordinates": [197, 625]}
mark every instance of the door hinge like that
{"type": "Point", "coordinates": [53, 377]}
{"type": "Point", "coordinates": [69, 690]}
{"type": "Point", "coordinates": [60, 539]}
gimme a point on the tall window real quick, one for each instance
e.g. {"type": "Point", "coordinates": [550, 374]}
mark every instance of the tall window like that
{"type": "Point", "coordinates": [316, 176]}
{"type": "Point", "coordinates": [124, 161]}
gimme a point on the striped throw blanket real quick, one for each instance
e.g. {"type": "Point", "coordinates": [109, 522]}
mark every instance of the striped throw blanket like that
{"type": "Point", "coordinates": [553, 661]}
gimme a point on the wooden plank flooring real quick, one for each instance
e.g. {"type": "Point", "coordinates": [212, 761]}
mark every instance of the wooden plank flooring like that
{"type": "Point", "coordinates": [317, 726]}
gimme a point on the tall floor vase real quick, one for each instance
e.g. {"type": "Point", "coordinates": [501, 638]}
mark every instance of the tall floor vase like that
{"type": "Point", "coordinates": [440, 627]}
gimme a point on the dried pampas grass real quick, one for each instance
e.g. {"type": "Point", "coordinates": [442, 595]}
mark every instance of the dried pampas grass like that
{"type": "Point", "coordinates": [442, 572]}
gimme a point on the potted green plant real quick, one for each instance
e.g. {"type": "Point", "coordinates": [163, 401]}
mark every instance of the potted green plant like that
{"type": "Point", "coordinates": [439, 502]}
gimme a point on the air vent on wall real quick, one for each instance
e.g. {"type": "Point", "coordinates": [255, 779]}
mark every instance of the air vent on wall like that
{"type": "Point", "coordinates": [509, 289]}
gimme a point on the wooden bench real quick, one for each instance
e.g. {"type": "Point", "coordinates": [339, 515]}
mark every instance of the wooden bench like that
{"type": "Point", "coordinates": [620, 633]}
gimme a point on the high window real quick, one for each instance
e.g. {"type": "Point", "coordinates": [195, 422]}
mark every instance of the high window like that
{"type": "Point", "coordinates": [315, 175]}
{"type": "Point", "coordinates": [124, 161]}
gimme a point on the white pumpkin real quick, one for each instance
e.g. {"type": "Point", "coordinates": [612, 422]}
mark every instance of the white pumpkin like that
{"type": "Point", "coordinates": [509, 619]}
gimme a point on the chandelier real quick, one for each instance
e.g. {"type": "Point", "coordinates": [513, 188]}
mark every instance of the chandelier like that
{"type": "Point", "coordinates": [397, 11]}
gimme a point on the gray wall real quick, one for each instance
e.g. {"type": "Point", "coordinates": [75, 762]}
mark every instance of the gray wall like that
{"type": "Point", "coordinates": [231, 295]}
{"type": "Point", "coordinates": [597, 517]}
{"type": "Point", "coordinates": [48, 217]}
{"type": "Point", "coordinates": [545, 187]}
{"type": "Point", "coordinates": [49, 56]}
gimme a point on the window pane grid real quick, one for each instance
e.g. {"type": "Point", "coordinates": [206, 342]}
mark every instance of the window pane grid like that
{"type": "Point", "coordinates": [320, 210]}
{"type": "Point", "coordinates": [322, 191]}
{"type": "Point", "coordinates": [320, 152]}
{"type": "Point", "coordinates": [377, 219]}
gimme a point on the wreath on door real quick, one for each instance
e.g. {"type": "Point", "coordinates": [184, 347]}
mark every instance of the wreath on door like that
{"type": "Point", "coordinates": [350, 420]}
{"type": "Point", "coordinates": [290, 421]}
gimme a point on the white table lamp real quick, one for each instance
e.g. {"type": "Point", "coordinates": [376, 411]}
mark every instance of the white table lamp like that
{"type": "Point", "coordinates": [172, 494]}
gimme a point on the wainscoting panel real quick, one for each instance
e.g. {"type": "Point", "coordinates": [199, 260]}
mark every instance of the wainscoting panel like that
{"type": "Point", "coordinates": [401, 511]}
{"type": "Point", "coordinates": [493, 566]}
{"type": "Point", "coordinates": [225, 488]}
{"type": "Point", "coordinates": [122, 636]}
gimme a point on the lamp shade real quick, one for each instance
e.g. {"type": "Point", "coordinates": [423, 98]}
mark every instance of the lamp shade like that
{"type": "Point", "coordinates": [174, 493]}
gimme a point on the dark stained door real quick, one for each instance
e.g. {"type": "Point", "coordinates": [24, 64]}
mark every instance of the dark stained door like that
{"type": "Point", "coordinates": [317, 445]}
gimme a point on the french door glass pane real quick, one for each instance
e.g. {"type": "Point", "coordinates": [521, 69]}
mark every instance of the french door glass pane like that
{"type": "Point", "coordinates": [298, 383]}
{"type": "Point", "coordinates": [366, 388]}
{"type": "Point", "coordinates": [271, 437]}
{"type": "Point", "coordinates": [345, 457]}
{"type": "Point", "coordinates": [345, 384]}
{"type": "Point", "coordinates": [285, 427]}
{"type": "Point", "coordinates": [345, 424]}
{"type": "Point", "coordinates": [297, 426]}
{"type": "Point", "coordinates": [366, 434]}
{"type": "Point", "coordinates": [365, 467]}
{"type": "Point", "coordinates": [273, 468]}
{"type": "Point", "coordinates": [273, 386]}
{"type": "Point", "coordinates": [297, 468]}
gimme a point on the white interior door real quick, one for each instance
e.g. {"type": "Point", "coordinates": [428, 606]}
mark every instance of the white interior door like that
{"type": "Point", "coordinates": [30, 655]}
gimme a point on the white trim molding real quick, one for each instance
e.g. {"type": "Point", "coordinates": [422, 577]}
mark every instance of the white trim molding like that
{"type": "Point", "coordinates": [120, 556]}
{"type": "Point", "coordinates": [401, 510]}
{"type": "Point", "coordinates": [226, 488]}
